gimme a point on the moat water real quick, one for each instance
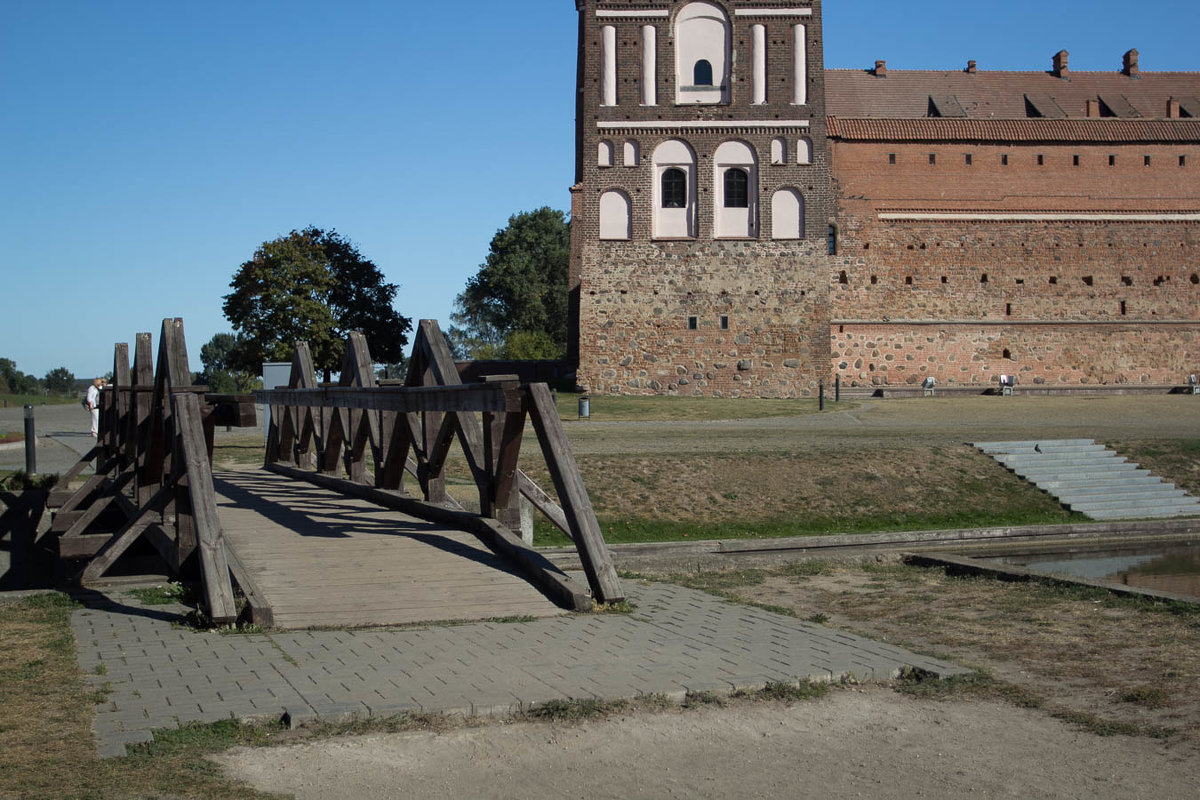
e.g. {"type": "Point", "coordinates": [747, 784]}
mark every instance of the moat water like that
{"type": "Point", "coordinates": [1173, 567]}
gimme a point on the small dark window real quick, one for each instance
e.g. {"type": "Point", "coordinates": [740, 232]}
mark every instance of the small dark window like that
{"type": "Point", "coordinates": [983, 278]}
{"type": "Point", "coordinates": [1183, 161]}
{"type": "Point", "coordinates": [891, 158]}
{"type": "Point", "coordinates": [693, 323]}
{"type": "Point", "coordinates": [1122, 308]}
{"type": "Point", "coordinates": [1126, 280]}
{"type": "Point", "coordinates": [908, 280]}
{"type": "Point", "coordinates": [1041, 160]}
{"type": "Point", "coordinates": [702, 74]}
{"type": "Point", "coordinates": [1145, 161]}
{"type": "Point", "coordinates": [842, 278]}
{"type": "Point", "coordinates": [831, 240]}
{"type": "Point", "coordinates": [1087, 280]}
{"type": "Point", "coordinates": [1053, 281]}
{"type": "Point", "coordinates": [724, 323]}
{"type": "Point", "coordinates": [1008, 309]}
{"type": "Point", "coordinates": [1195, 279]}
{"type": "Point", "coordinates": [737, 188]}
{"type": "Point", "coordinates": [875, 279]}
{"type": "Point", "coordinates": [1075, 160]}
{"type": "Point", "coordinates": [944, 279]}
{"type": "Point", "coordinates": [968, 159]}
{"type": "Point", "coordinates": [933, 158]}
{"type": "Point", "coordinates": [1020, 281]}
{"type": "Point", "coordinates": [1112, 161]}
{"type": "Point", "coordinates": [674, 188]}
{"type": "Point", "coordinates": [1004, 160]}
{"type": "Point", "coordinates": [1006, 354]}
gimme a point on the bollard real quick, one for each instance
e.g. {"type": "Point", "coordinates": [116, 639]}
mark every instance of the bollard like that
{"type": "Point", "coordinates": [837, 388]}
{"type": "Point", "coordinates": [821, 396]}
{"type": "Point", "coordinates": [585, 408]}
{"type": "Point", "coordinates": [30, 442]}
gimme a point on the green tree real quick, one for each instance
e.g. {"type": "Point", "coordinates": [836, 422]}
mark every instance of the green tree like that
{"type": "Point", "coordinates": [59, 380]}
{"type": "Point", "coordinates": [220, 375]}
{"type": "Point", "coordinates": [17, 382]}
{"type": "Point", "coordinates": [312, 286]}
{"type": "Point", "coordinates": [520, 288]}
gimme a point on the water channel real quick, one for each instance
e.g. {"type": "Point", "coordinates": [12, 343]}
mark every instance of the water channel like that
{"type": "Point", "coordinates": [1168, 567]}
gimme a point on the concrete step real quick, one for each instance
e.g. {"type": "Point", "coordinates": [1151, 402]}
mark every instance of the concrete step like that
{"type": "Point", "coordinates": [1043, 461]}
{"type": "Point", "coordinates": [1016, 446]}
{"type": "Point", "coordinates": [1092, 480]}
{"type": "Point", "coordinates": [1103, 483]}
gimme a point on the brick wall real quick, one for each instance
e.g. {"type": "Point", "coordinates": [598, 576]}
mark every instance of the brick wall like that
{"type": "Point", "coordinates": [1032, 282]}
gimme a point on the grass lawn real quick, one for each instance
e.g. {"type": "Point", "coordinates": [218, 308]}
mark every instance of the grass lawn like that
{"type": "Point", "coordinates": [18, 400]}
{"type": "Point", "coordinates": [682, 409]}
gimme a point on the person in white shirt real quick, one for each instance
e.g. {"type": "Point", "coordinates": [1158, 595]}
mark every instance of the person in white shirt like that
{"type": "Point", "coordinates": [93, 404]}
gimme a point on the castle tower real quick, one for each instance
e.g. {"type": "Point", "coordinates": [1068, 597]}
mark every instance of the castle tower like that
{"type": "Point", "coordinates": [701, 212]}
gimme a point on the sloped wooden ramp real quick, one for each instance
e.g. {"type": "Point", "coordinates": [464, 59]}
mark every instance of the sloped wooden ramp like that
{"type": "Point", "coordinates": [314, 557]}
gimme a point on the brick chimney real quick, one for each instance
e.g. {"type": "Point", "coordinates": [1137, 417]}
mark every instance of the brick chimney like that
{"type": "Point", "coordinates": [1173, 110]}
{"type": "Point", "coordinates": [1060, 65]}
{"type": "Point", "coordinates": [881, 69]}
{"type": "Point", "coordinates": [971, 68]}
{"type": "Point", "coordinates": [1093, 108]}
{"type": "Point", "coordinates": [1130, 64]}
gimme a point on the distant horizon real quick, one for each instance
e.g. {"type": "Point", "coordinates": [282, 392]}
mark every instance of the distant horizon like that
{"type": "Point", "coordinates": [163, 143]}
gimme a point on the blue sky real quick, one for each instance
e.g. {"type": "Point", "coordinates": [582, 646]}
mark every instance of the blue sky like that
{"type": "Point", "coordinates": [149, 146]}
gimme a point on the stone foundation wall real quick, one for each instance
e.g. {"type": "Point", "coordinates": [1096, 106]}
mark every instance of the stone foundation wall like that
{"type": "Point", "coordinates": [636, 300]}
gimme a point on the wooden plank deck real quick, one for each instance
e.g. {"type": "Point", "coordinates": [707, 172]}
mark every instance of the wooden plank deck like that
{"type": "Point", "coordinates": [322, 559]}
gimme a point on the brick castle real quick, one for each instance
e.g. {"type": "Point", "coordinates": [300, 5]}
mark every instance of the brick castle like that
{"type": "Point", "coordinates": [746, 223]}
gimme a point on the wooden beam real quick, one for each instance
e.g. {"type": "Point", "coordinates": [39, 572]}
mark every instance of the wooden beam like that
{"type": "Point", "coordinates": [261, 612]}
{"type": "Point", "coordinates": [544, 503]}
{"type": "Point", "coordinates": [585, 529]}
{"type": "Point", "coordinates": [218, 591]}
{"type": "Point", "coordinates": [463, 397]}
{"type": "Point", "coordinates": [126, 536]}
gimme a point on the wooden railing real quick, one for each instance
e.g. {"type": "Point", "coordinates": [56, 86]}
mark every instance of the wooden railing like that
{"type": "Point", "coordinates": [153, 472]}
{"type": "Point", "coordinates": [334, 435]}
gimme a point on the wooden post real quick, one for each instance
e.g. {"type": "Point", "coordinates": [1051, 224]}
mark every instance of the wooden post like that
{"type": "Point", "coordinates": [585, 529]}
{"type": "Point", "coordinates": [214, 569]}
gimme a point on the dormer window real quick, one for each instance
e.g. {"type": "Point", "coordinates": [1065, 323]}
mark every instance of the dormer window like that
{"type": "Point", "coordinates": [702, 73]}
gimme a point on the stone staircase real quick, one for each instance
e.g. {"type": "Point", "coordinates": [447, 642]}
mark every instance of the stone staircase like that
{"type": "Point", "coordinates": [1091, 479]}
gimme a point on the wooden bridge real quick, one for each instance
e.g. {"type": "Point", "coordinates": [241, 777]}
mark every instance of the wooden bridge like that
{"type": "Point", "coordinates": [326, 533]}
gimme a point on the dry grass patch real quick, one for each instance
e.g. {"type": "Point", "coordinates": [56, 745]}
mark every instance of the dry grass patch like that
{"type": "Point", "coordinates": [1110, 664]}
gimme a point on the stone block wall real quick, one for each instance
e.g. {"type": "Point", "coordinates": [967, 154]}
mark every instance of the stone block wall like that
{"type": "Point", "coordinates": [634, 317]}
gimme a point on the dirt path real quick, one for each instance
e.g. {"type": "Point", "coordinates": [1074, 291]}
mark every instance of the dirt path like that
{"type": "Point", "coordinates": [856, 743]}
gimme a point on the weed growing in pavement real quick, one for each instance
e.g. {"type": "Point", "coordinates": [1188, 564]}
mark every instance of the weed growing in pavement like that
{"type": "Point", "coordinates": [164, 594]}
{"type": "Point", "coordinates": [1146, 696]}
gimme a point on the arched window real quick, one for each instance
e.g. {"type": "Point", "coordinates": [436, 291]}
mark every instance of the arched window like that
{"type": "Point", "coordinates": [615, 219]}
{"type": "Point", "coordinates": [737, 184]}
{"type": "Point", "coordinates": [831, 240]}
{"type": "Point", "coordinates": [703, 54]}
{"type": "Point", "coordinates": [604, 153]}
{"type": "Point", "coordinates": [674, 188]}
{"type": "Point", "coordinates": [804, 151]}
{"type": "Point", "coordinates": [787, 214]}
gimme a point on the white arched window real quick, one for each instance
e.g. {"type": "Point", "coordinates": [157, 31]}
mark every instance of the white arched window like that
{"type": "Point", "coordinates": [616, 222]}
{"type": "Point", "coordinates": [779, 150]}
{"type": "Point", "coordinates": [804, 152]}
{"type": "Point", "coordinates": [604, 153]}
{"type": "Point", "coordinates": [735, 189]}
{"type": "Point", "coordinates": [702, 54]}
{"type": "Point", "coordinates": [632, 153]}
{"type": "Point", "coordinates": [674, 190]}
{"type": "Point", "coordinates": [787, 214]}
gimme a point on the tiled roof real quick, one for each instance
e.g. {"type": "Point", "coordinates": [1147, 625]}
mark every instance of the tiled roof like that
{"type": "Point", "coordinates": [1015, 130]}
{"type": "Point", "coordinates": [905, 94]}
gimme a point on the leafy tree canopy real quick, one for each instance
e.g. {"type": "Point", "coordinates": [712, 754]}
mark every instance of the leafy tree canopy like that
{"type": "Point", "coordinates": [521, 288]}
{"type": "Point", "coordinates": [312, 286]}
{"type": "Point", "coordinates": [59, 380]}
{"type": "Point", "coordinates": [13, 381]}
{"type": "Point", "coordinates": [218, 357]}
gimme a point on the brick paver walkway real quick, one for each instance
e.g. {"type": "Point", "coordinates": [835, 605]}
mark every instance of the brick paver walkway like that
{"type": "Point", "coordinates": [676, 641]}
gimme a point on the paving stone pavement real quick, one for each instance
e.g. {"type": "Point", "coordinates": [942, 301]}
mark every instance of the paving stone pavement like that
{"type": "Point", "coordinates": [160, 675]}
